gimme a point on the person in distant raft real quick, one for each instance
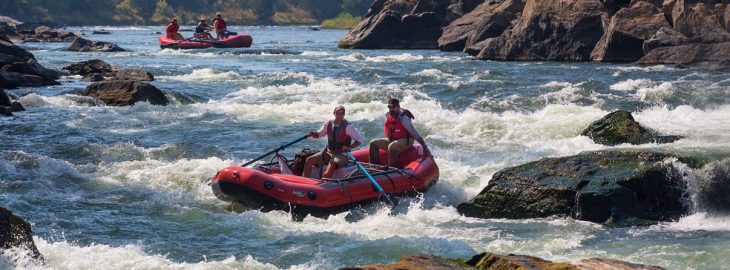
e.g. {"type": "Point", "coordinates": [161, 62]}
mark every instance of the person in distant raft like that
{"type": "Point", "coordinates": [400, 134]}
{"type": "Point", "coordinates": [172, 30]}
{"type": "Point", "coordinates": [219, 25]}
{"type": "Point", "coordinates": [340, 136]}
{"type": "Point", "coordinates": [201, 30]}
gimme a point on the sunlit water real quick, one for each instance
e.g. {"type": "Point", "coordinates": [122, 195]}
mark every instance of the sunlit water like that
{"type": "Point", "coordinates": [125, 187]}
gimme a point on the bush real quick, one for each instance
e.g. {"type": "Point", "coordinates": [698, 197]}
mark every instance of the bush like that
{"type": "Point", "coordinates": [342, 21]}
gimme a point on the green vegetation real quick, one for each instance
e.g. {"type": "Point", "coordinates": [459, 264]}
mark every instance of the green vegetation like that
{"type": "Point", "coordinates": [155, 12]}
{"type": "Point", "coordinates": [343, 21]}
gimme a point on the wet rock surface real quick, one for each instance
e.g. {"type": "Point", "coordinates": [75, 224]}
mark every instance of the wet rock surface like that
{"type": "Point", "coordinates": [620, 127]}
{"type": "Point", "coordinates": [16, 233]}
{"type": "Point", "coordinates": [610, 187]}
{"type": "Point", "coordinates": [83, 45]}
{"type": "Point", "coordinates": [125, 93]}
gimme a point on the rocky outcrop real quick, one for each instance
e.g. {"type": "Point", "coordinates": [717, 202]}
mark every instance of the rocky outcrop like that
{"type": "Point", "coordinates": [98, 70]}
{"type": "Point", "coordinates": [558, 30]}
{"type": "Point", "coordinates": [403, 24]}
{"type": "Point", "coordinates": [125, 93]}
{"type": "Point", "coordinates": [47, 34]}
{"type": "Point", "coordinates": [83, 45]}
{"type": "Point", "coordinates": [492, 261]}
{"type": "Point", "coordinates": [697, 54]}
{"type": "Point", "coordinates": [16, 232]}
{"type": "Point", "coordinates": [488, 20]}
{"type": "Point", "coordinates": [610, 187]}
{"type": "Point", "coordinates": [624, 39]}
{"type": "Point", "coordinates": [18, 68]}
{"type": "Point", "coordinates": [664, 37]}
{"type": "Point", "coordinates": [620, 127]}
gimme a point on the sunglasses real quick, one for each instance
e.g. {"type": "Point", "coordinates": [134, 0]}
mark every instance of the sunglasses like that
{"type": "Point", "coordinates": [340, 113]}
{"type": "Point", "coordinates": [392, 106]}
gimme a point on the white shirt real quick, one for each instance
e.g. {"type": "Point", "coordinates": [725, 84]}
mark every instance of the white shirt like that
{"type": "Point", "coordinates": [350, 131]}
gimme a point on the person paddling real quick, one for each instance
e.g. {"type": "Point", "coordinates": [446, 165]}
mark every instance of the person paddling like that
{"type": "Point", "coordinates": [400, 134]}
{"type": "Point", "coordinates": [340, 136]}
{"type": "Point", "coordinates": [172, 30]}
{"type": "Point", "coordinates": [201, 30]}
{"type": "Point", "coordinates": [219, 25]}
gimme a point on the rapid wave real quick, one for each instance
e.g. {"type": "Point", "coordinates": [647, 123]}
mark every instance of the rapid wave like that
{"type": "Point", "coordinates": [205, 75]}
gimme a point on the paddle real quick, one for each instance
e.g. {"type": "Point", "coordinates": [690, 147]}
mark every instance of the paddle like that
{"type": "Point", "coordinates": [363, 170]}
{"type": "Point", "coordinates": [275, 150]}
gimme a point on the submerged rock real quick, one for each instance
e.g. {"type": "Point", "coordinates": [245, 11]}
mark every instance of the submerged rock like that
{"type": "Point", "coordinates": [612, 187]}
{"type": "Point", "coordinates": [83, 45]}
{"type": "Point", "coordinates": [124, 93]}
{"type": "Point", "coordinates": [620, 127]}
{"type": "Point", "coordinates": [134, 74]}
{"type": "Point", "coordinates": [16, 232]}
{"type": "Point", "coordinates": [89, 67]}
{"type": "Point", "coordinates": [492, 261]}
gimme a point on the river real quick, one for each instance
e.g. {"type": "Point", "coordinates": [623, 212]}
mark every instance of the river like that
{"type": "Point", "coordinates": [125, 187]}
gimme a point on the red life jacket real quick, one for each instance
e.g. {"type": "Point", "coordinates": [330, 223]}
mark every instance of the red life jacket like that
{"type": "Point", "coordinates": [337, 136]}
{"type": "Point", "coordinates": [172, 28]}
{"type": "Point", "coordinates": [393, 128]}
{"type": "Point", "coordinates": [219, 24]}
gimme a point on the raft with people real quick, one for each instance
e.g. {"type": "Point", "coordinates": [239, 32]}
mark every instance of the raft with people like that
{"type": "Point", "coordinates": [234, 41]}
{"type": "Point", "coordinates": [277, 185]}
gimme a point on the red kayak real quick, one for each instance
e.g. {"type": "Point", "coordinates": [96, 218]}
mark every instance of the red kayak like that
{"type": "Point", "coordinates": [265, 186]}
{"type": "Point", "coordinates": [235, 41]}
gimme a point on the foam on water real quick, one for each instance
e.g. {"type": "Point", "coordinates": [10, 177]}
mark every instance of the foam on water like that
{"type": "Point", "coordinates": [646, 90]}
{"type": "Point", "coordinates": [61, 255]}
{"type": "Point", "coordinates": [435, 73]}
{"type": "Point", "coordinates": [404, 57]}
{"type": "Point", "coordinates": [703, 128]}
{"type": "Point", "coordinates": [205, 75]}
{"type": "Point", "coordinates": [568, 93]}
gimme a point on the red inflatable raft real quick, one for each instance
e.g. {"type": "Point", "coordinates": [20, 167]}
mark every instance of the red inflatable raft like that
{"type": "Point", "coordinates": [266, 188]}
{"type": "Point", "coordinates": [235, 41]}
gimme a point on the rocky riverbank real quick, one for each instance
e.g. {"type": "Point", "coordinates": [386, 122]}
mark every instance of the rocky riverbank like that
{"type": "Point", "coordinates": [642, 31]}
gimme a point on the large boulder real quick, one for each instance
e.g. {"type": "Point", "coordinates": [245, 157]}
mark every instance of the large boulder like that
{"type": "Point", "coordinates": [664, 37]}
{"type": "Point", "coordinates": [14, 79]}
{"type": "Point", "coordinates": [32, 67]}
{"type": "Point", "coordinates": [124, 92]}
{"type": "Point", "coordinates": [134, 74]}
{"type": "Point", "coordinates": [624, 39]}
{"type": "Point", "coordinates": [700, 21]}
{"type": "Point", "coordinates": [610, 187]}
{"type": "Point", "coordinates": [558, 30]}
{"type": "Point", "coordinates": [487, 20]}
{"type": "Point", "coordinates": [715, 55]}
{"type": "Point", "coordinates": [4, 98]}
{"type": "Point", "coordinates": [89, 67]}
{"type": "Point", "coordinates": [16, 232]}
{"type": "Point", "coordinates": [400, 24]}
{"type": "Point", "coordinates": [492, 261]}
{"type": "Point", "coordinates": [8, 48]}
{"type": "Point", "coordinates": [620, 127]}
{"type": "Point", "coordinates": [83, 45]}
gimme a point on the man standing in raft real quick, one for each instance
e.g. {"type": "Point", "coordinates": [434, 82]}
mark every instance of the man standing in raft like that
{"type": "Point", "coordinates": [219, 25]}
{"type": "Point", "coordinates": [400, 134]}
{"type": "Point", "coordinates": [172, 30]}
{"type": "Point", "coordinates": [340, 135]}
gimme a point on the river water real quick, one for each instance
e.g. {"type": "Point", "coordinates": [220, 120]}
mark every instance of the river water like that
{"type": "Point", "coordinates": [125, 187]}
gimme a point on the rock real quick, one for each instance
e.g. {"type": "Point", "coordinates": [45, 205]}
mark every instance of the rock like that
{"type": "Point", "coordinates": [4, 98]}
{"type": "Point", "coordinates": [101, 32]}
{"type": "Point", "coordinates": [93, 77]}
{"type": "Point", "coordinates": [620, 127]}
{"type": "Point", "coordinates": [691, 54]}
{"type": "Point", "coordinates": [610, 187]}
{"type": "Point", "coordinates": [404, 24]}
{"type": "Point", "coordinates": [624, 39]}
{"type": "Point", "coordinates": [16, 107]}
{"type": "Point", "coordinates": [6, 111]}
{"type": "Point", "coordinates": [557, 30]}
{"type": "Point", "coordinates": [701, 21]}
{"type": "Point", "coordinates": [609, 264]}
{"type": "Point", "coordinates": [83, 45]}
{"type": "Point", "coordinates": [5, 38]}
{"type": "Point", "coordinates": [492, 261]}
{"type": "Point", "coordinates": [123, 93]}
{"type": "Point", "coordinates": [488, 20]}
{"type": "Point", "coordinates": [91, 66]}
{"type": "Point", "coordinates": [32, 67]}
{"type": "Point", "coordinates": [14, 79]}
{"type": "Point", "coordinates": [664, 37]}
{"type": "Point", "coordinates": [16, 232]}
{"type": "Point", "coordinates": [13, 50]}
{"type": "Point", "coordinates": [9, 59]}
{"type": "Point", "coordinates": [134, 74]}
{"type": "Point", "coordinates": [714, 187]}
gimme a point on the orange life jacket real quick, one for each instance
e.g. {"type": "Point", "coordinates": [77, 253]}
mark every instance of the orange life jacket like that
{"type": "Point", "coordinates": [393, 128]}
{"type": "Point", "coordinates": [219, 24]}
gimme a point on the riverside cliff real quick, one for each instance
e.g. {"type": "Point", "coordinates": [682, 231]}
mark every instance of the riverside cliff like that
{"type": "Point", "coordinates": [643, 31]}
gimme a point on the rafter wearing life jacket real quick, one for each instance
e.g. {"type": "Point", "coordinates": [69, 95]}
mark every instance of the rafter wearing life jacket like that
{"type": "Point", "coordinates": [337, 136]}
{"type": "Point", "coordinates": [393, 127]}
